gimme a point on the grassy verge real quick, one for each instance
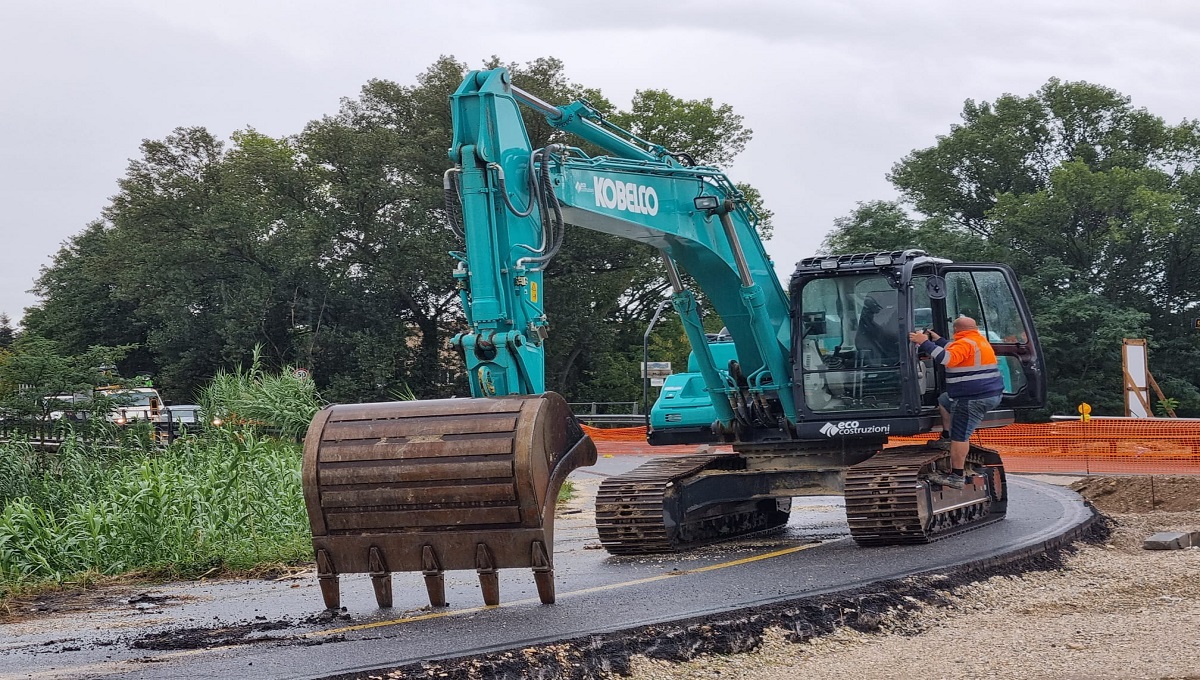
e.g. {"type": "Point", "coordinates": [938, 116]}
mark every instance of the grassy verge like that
{"type": "Point", "coordinates": [227, 501]}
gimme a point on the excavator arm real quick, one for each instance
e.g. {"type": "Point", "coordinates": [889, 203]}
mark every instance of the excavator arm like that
{"type": "Point", "coordinates": [515, 200]}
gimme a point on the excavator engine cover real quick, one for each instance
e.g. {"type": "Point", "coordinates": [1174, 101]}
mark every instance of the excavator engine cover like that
{"type": "Point", "coordinates": [434, 485]}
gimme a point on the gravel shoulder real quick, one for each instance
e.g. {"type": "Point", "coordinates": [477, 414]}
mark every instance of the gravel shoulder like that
{"type": "Point", "coordinates": [1113, 610]}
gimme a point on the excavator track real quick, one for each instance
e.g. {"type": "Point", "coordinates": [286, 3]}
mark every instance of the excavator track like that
{"type": "Point", "coordinates": [647, 510]}
{"type": "Point", "coordinates": [889, 503]}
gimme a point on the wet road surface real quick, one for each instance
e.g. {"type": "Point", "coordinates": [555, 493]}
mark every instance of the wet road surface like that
{"type": "Point", "coordinates": [278, 629]}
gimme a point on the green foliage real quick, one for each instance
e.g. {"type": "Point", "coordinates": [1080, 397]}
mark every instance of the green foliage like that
{"type": "Point", "coordinates": [1081, 335]}
{"type": "Point", "coordinates": [80, 304]}
{"type": "Point", "coordinates": [766, 216]}
{"type": "Point", "coordinates": [7, 333]}
{"type": "Point", "coordinates": [36, 376]}
{"type": "Point", "coordinates": [712, 134]}
{"type": "Point", "coordinates": [225, 500]}
{"type": "Point", "coordinates": [255, 398]}
{"type": "Point", "coordinates": [566, 492]}
{"type": "Point", "coordinates": [885, 225]}
{"type": "Point", "coordinates": [1163, 407]}
{"type": "Point", "coordinates": [1094, 203]}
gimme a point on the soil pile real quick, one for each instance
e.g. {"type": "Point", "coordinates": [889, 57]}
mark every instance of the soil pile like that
{"type": "Point", "coordinates": [1152, 493]}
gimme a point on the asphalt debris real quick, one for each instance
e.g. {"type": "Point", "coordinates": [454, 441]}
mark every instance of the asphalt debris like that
{"type": "Point", "coordinates": [217, 636]}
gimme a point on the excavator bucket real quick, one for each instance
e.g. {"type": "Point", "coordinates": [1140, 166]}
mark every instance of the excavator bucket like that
{"type": "Point", "coordinates": [434, 485]}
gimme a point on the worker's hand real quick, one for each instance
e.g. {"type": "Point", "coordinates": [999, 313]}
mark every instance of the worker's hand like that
{"type": "Point", "coordinates": [933, 335]}
{"type": "Point", "coordinates": [918, 337]}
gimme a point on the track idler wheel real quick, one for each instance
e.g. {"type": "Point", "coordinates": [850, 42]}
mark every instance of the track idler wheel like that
{"type": "Point", "coordinates": [430, 486]}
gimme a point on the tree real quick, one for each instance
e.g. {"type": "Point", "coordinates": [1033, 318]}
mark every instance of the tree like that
{"type": "Point", "coordinates": [711, 134]}
{"type": "Point", "coordinates": [35, 371]}
{"type": "Point", "coordinates": [79, 306]}
{"type": "Point", "coordinates": [1011, 146]}
{"type": "Point", "coordinates": [7, 333]}
{"type": "Point", "coordinates": [886, 225]}
{"type": "Point", "coordinates": [379, 163]}
{"type": "Point", "coordinates": [606, 288]}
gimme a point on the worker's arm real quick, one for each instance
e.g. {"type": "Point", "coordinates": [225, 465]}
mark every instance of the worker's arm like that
{"type": "Point", "coordinates": [927, 340]}
{"type": "Point", "coordinates": [947, 353]}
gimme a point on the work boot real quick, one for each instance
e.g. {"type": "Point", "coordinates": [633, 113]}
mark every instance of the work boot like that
{"type": "Point", "coordinates": [945, 479]}
{"type": "Point", "coordinates": [941, 443]}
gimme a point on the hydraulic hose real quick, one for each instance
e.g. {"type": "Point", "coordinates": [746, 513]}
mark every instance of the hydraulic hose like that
{"type": "Point", "coordinates": [453, 207]}
{"type": "Point", "coordinates": [504, 193]}
{"type": "Point", "coordinates": [551, 213]}
{"type": "Point", "coordinates": [534, 192]}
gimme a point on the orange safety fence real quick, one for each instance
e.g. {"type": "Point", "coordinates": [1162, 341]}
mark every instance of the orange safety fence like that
{"type": "Point", "coordinates": [1107, 446]}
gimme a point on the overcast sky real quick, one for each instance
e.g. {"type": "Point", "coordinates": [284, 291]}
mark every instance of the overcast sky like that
{"type": "Point", "coordinates": [835, 91]}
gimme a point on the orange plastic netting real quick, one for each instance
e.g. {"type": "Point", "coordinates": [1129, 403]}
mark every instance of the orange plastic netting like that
{"type": "Point", "coordinates": [1108, 446]}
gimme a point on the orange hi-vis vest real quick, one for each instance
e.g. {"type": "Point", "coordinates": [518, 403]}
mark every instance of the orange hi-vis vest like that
{"type": "Point", "coordinates": [971, 367]}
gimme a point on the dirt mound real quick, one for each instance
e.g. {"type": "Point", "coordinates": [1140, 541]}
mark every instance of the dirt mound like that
{"type": "Point", "coordinates": [1153, 493]}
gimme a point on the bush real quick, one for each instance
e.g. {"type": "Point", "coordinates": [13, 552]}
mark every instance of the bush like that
{"type": "Point", "coordinates": [278, 402]}
{"type": "Point", "coordinates": [228, 499]}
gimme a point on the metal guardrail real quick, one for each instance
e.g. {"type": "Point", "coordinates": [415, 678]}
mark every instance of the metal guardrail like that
{"type": "Point", "coordinates": [613, 420]}
{"type": "Point", "coordinates": [594, 408]}
{"type": "Point", "coordinates": [608, 413]}
{"type": "Point", "coordinates": [48, 435]}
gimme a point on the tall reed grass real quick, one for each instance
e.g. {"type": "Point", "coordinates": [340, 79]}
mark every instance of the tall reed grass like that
{"type": "Point", "coordinates": [259, 399]}
{"type": "Point", "coordinates": [230, 499]}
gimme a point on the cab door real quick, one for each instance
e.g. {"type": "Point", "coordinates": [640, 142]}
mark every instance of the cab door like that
{"type": "Point", "coordinates": [989, 294]}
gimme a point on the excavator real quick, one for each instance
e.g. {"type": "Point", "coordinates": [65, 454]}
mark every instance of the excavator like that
{"type": "Point", "coordinates": [805, 385]}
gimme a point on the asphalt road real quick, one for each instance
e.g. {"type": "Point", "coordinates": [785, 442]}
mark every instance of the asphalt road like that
{"type": "Point", "coordinates": [273, 628]}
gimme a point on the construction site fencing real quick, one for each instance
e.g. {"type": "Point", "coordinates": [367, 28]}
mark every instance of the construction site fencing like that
{"type": "Point", "coordinates": [1100, 447]}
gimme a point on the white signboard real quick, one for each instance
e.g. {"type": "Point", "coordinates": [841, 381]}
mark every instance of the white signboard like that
{"type": "Point", "coordinates": [1137, 391]}
{"type": "Point", "coordinates": [657, 382]}
{"type": "Point", "coordinates": [656, 369]}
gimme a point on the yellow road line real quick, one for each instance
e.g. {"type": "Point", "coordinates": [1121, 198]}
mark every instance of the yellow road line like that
{"type": "Point", "coordinates": [573, 593]}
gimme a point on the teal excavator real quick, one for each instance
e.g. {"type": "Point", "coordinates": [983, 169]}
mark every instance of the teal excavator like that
{"type": "Point", "coordinates": [805, 385]}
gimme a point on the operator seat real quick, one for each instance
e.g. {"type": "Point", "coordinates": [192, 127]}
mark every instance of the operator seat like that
{"type": "Point", "coordinates": [878, 336]}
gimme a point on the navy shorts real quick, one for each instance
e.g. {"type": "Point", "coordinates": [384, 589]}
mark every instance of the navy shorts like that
{"type": "Point", "coordinates": [966, 414]}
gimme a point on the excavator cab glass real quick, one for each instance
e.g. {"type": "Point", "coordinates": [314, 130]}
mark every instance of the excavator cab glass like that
{"type": "Point", "coordinates": [987, 293]}
{"type": "Point", "coordinates": [851, 344]}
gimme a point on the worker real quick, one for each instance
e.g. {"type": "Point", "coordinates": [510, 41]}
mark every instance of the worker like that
{"type": "Point", "coordinates": [973, 387]}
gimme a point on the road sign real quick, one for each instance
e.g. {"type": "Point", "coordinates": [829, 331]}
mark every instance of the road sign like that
{"type": "Point", "coordinates": [656, 369]}
{"type": "Point", "coordinates": [300, 373]}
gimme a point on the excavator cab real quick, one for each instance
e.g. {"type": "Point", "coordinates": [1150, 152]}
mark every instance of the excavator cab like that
{"type": "Point", "coordinates": [853, 359]}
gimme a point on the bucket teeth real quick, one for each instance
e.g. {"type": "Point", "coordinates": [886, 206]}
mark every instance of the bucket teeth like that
{"type": "Point", "coordinates": [381, 578]}
{"type": "Point", "coordinates": [328, 580]}
{"type": "Point", "coordinates": [435, 580]}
